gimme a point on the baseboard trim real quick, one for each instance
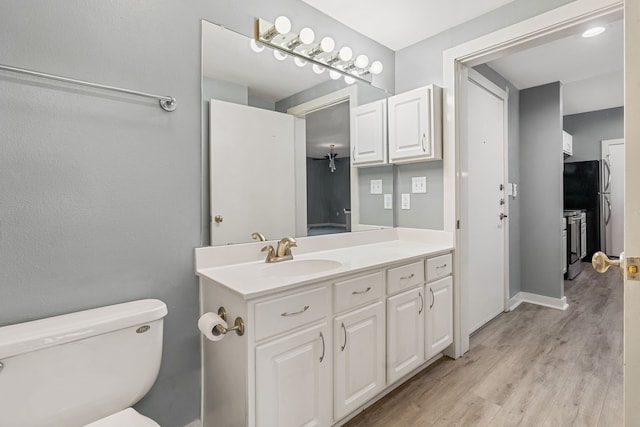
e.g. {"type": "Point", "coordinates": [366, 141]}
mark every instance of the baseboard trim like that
{"type": "Point", "coordinates": [520, 297]}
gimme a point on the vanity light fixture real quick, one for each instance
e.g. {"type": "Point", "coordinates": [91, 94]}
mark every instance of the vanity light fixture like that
{"type": "Point", "coordinates": [255, 46]}
{"type": "Point", "coordinates": [592, 32]}
{"type": "Point", "coordinates": [301, 47]}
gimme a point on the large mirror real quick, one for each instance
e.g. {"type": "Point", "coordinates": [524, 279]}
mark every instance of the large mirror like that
{"type": "Point", "coordinates": [276, 148]}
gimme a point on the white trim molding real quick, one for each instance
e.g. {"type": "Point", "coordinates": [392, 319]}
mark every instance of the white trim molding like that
{"type": "Point", "coordinates": [520, 297]}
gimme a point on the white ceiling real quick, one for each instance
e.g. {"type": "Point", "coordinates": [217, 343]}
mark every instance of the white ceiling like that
{"type": "Point", "coordinates": [589, 68]}
{"type": "Point", "coordinates": [328, 126]}
{"type": "Point", "coordinates": [401, 23]}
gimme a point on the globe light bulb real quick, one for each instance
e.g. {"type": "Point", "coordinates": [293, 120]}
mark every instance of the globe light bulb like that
{"type": "Point", "coordinates": [283, 25]}
{"type": "Point", "coordinates": [376, 67]}
{"type": "Point", "coordinates": [345, 53]}
{"type": "Point", "coordinates": [279, 55]}
{"type": "Point", "coordinates": [299, 62]}
{"type": "Point", "coordinates": [349, 80]}
{"type": "Point", "coordinates": [361, 61]}
{"type": "Point", "coordinates": [255, 46]}
{"type": "Point", "coordinates": [318, 69]}
{"type": "Point", "coordinates": [334, 75]}
{"type": "Point", "coordinates": [307, 36]}
{"type": "Point", "coordinates": [327, 44]}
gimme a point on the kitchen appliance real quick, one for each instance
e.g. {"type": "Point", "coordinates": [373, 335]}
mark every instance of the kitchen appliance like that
{"type": "Point", "coordinates": [612, 228]}
{"type": "Point", "coordinates": [574, 244]}
{"type": "Point", "coordinates": [582, 192]}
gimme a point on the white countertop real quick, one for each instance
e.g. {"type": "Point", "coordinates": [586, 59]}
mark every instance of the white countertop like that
{"type": "Point", "coordinates": [253, 279]}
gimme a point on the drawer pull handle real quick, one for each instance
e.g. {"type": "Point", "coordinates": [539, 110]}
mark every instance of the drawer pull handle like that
{"type": "Point", "coordinates": [421, 303]}
{"type": "Point", "coordinates": [285, 314]}
{"type": "Point", "coordinates": [441, 266]}
{"type": "Point", "coordinates": [322, 338]}
{"type": "Point", "coordinates": [433, 298]}
{"type": "Point", "coordinates": [361, 292]}
{"type": "Point", "coordinates": [407, 277]}
{"type": "Point", "coordinates": [345, 337]}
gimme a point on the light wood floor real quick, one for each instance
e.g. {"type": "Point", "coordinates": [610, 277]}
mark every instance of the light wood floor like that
{"type": "Point", "coordinates": [534, 366]}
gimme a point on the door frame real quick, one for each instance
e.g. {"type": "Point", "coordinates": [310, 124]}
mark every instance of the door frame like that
{"type": "Point", "coordinates": [350, 94]}
{"type": "Point", "coordinates": [474, 77]}
{"type": "Point", "coordinates": [540, 29]}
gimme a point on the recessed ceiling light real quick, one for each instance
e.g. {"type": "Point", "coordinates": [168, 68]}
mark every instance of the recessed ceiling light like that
{"type": "Point", "coordinates": [592, 32]}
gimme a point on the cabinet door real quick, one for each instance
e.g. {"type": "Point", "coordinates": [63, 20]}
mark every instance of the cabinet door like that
{"type": "Point", "coordinates": [409, 131]}
{"type": "Point", "coordinates": [405, 333]}
{"type": "Point", "coordinates": [359, 362]}
{"type": "Point", "coordinates": [293, 379]}
{"type": "Point", "coordinates": [439, 316]}
{"type": "Point", "coordinates": [369, 133]}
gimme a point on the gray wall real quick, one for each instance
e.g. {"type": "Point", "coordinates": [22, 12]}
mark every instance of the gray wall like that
{"type": "Point", "coordinates": [421, 63]}
{"type": "Point", "coordinates": [372, 210]}
{"type": "Point", "coordinates": [101, 193]}
{"type": "Point", "coordinates": [426, 209]}
{"type": "Point", "coordinates": [328, 193]}
{"type": "Point", "coordinates": [540, 190]}
{"type": "Point", "coordinates": [588, 129]}
{"type": "Point", "coordinates": [513, 147]}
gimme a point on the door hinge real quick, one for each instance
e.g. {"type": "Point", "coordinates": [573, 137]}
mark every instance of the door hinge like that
{"type": "Point", "coordinates": [458, 224]}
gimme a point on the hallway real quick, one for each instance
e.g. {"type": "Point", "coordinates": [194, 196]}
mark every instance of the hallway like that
{"type": "Point", "coordinates": [534, 366]}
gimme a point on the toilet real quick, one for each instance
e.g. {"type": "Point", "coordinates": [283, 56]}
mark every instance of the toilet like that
{"type": "Point", "coordinates": [81, 369]}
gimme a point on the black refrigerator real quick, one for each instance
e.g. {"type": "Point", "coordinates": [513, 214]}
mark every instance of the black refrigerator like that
{"type": "Point", "coordinates": [582, 191]}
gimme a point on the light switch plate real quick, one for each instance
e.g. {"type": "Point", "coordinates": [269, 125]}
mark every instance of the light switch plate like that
{"type": "Point", "coordinates": [388, 201]}
{"type": "Point", "coordinates": [376, 186]}
{"type": "Point", "coordinates": [406, 201]}
{"type": "Point", "coordinates": [419, 184]}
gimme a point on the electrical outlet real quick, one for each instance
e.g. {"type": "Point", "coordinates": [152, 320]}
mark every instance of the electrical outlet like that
{"type": "Point", "coordinates": [388, 201]}
{"type": "Point", "coordinates": [406, 201]}
{"type": "Point", "coordinates": [376, 186]}
{"type": "Point", "coordinates": [419, 184]}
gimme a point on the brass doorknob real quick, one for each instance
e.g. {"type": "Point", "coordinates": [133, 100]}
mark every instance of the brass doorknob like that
{"type": "Point", "coordinates": [602, 262]}
{"type": "Point", "coordinates": [218, 219]}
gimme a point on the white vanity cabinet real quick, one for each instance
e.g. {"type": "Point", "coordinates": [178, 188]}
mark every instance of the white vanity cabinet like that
{"type": "Point", "coordinates": [317, 353]}
{"type": "Point", "coordinates": [359, 341]}
{"type": "Point", "coordinates": [293, 370]}
{"type": "Point", "coordinates": [405, 320]}
{"type": "Point", "coordinates": [439, 311]}
{"type": "Point", "coordinates": [293, 379]}
{"type": "Point", "coordinates": [369, 134]}
{"type": "Point", "coordinates": [415, 125]}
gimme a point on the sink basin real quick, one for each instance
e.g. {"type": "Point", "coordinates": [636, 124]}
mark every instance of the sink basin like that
{"type": "Point", "coordinates": [301, 267]}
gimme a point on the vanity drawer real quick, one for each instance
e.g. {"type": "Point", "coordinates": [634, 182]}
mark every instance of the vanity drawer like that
{"type": "Point", "coordinates": [438, 267]}
{"type": "Point", "coordinates": [405, 276]}
{"type": "Point", "coordinates": [356, 291]}
{"type": "Point", "coordinates": [281, 314]}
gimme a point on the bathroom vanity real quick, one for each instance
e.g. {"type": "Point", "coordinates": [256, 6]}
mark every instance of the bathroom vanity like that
{"type": "Point", "coordinates": [327, 333]}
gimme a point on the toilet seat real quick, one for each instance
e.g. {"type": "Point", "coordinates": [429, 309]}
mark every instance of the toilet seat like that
{"type": "Point", "coordinates": [126, 418]}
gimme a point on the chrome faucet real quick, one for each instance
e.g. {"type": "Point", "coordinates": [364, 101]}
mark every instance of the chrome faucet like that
{"type": "Point", "coordinates": [283, 251]}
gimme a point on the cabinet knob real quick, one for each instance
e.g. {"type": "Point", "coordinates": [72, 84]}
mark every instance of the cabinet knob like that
{"type": "Point", "coordinates": [218, 219]}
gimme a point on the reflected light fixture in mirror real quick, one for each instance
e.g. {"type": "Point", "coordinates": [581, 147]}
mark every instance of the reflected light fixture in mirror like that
{"type": "Point", "coordinates": [285, 43]}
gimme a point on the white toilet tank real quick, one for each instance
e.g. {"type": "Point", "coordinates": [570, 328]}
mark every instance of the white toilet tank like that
{"type": "Point", "coordinates": [74, 369]}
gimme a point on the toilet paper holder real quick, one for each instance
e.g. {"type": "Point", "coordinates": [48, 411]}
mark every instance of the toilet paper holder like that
{"type": "Point", "coordinates": [238, 325]}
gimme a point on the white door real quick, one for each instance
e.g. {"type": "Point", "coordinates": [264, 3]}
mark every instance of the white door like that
{"type": "Point", "coordinates": [439, 320]}
{"type": "Point", "coordinates": [632, 211]}
{"type": "Point", "coordinates": [251, 164]}
{"type": "Point", "coordinates": [359, 357]}
{"type": "Point", "coordinates": [405, 333]}
{"type": "Point", "coordinates": [293, 379]}
{"type": "Point", "coordinates": [613, 195]}
{"type": "Point", "coordinates": [483, 200]}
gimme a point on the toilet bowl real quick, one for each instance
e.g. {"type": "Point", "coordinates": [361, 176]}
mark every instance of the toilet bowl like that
{"type": "Point", "coordinates": [81, 369]}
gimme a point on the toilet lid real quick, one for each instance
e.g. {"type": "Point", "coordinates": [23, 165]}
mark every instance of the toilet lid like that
{"type": "Point", "coordinates": [127, 418]}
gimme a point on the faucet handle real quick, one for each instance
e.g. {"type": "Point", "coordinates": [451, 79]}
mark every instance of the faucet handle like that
{"type": "Point", "coordinates": [284, 246]}
{"type": "Point", "coordinates": [271, 253]}
{"type": "Point", "coordinates": [258, 236]}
